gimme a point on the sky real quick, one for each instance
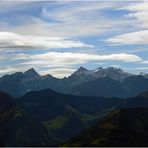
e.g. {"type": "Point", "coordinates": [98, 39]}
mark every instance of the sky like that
{"type": "Point", "coordinates": [57, 37]}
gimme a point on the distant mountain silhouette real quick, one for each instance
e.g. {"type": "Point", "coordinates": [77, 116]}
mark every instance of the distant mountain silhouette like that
{"type": "Point", "coordinates": [108, 87]}
{"type": "Point", "coordinates": [20, 83]}
{"type": "Point", "coordinates": [111, 72]}
{"type": "Point", "coordinates": [106, 82]}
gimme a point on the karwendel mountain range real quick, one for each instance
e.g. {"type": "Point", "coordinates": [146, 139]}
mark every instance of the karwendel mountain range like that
{"type": "Point", "coordinates": [105, 82]}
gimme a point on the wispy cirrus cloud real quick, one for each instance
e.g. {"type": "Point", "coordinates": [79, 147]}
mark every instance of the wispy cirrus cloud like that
{"type": "Point", "coordinates": [13, 40]}
{"type": "Point", "coordinates": [145, 62]}
{"type": "Point", "coordinates": [7, 69]}
{"type": "Point", "coordinates": [58, 72]}
{"type": "Point", "coordinates": [138, 14]}
{"type": "Point", "coordinates": [139, 37]}
{"type": "Point", "coordinates": [72, 19]}
{"type": "Point", "coordinates": [69, 58]}
{"type": "Point", "coordinates": [29, 27]}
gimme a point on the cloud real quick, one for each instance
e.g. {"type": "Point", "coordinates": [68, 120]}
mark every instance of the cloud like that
{"type": "Point", "coordinates": [27, 26]}
{"type": "Point", "coordinates": [58, 72]}
{"type": "Point", "coordinates": [20, 56]}
{"type": "Point", "coordinates": [69, 58]}
{"type": "Point", "coordinates": [145, 62]}
{"type": "Point", "coordinates": [83, 18]}
{"type": "Point", "coordinates": [139, 37]}
{"type": "Point", "coordinates": [13, 40]}
{"type": "Point", "coordinates": [83, 56]}
{"type": "Point", "coordinates": [60, 64]}
{"type": "Point", "coordinates": [72, 19]}
{"type": "Point", "coordinates": [138, 12]}
{"type": "Point", "coordinates": [8, 69]}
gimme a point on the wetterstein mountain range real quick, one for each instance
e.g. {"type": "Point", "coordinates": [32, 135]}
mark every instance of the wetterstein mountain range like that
{"type": "Point", "coordinates": [106, 82]}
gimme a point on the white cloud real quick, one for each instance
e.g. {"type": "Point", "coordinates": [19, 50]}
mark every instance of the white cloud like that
{"type": "Point", "coordinates": [139, 37]}
{"type": "Point", "coordinates": [72, 19]}
{"type": "Point", "coordinates": [83, 18]}
{"type": "Point", "coordinates": [145, 62]}
{"type": "Point", "coordinates": [13, 40]}
{"type": "Point", "coordinates": [58, 72]}
{"type": "Point", "coordinates": [82, 56]}
{"type": "Point", "coordinates": [61, 64]}
{"type": "Point", "coordinates": [69, 58]}
{"type": "Point", "coordinates": [139, 13]}
{"type": "Point", "coordinates": [8, 69]}
{"type": "Point", "coordinates": [20, 56]}
{"type": "Point", "coordinates": [60, 26]}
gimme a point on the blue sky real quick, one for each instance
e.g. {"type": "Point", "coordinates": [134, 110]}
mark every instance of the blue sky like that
{"type": "Point", "coordinates": [57, 37]}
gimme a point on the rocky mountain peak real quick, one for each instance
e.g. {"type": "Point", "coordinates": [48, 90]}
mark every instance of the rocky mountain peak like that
{"type": "Point", "coordinates": [31, 72]}
{"type": "Point", "coordinates": [81, 70]}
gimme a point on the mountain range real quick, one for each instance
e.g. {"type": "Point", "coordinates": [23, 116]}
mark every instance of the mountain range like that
{"type": "Point", "coordinates": [51, 118]}
{"type": "Point", "coordinates": [121, 128]}
{"type": "Point", "coordinates": [47, 118]}
{"type": "Point", "coordinates": [106, 82]}
{"type": "Point", "coordinates": [85, 109]}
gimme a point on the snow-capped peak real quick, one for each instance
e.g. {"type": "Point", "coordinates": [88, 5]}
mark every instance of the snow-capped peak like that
{"type": "Point", "coordinates": [81, 70]}
{"type": "Point", "coordinates": [98, 69]}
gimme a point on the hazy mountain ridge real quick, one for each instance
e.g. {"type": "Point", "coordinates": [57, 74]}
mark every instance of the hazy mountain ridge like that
{"type": "Point", "coordinates": [111, 72]}
{"type": "Point", "coordinates": [19, 83]}
{"type": "Point", "coordinates": [108, 87]}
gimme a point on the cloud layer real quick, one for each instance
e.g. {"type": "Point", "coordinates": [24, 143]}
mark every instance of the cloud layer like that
{"type": "Point", "coordinates": [139, 37]}
{"type": "Point", "coordinates": [13, 40]}
{"type": "Point", "coordinates": [68, 59]}
{"type": "Point", "coordinates": [59, 36]}
{"type": "Point", "coordinates": [138, 14]}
